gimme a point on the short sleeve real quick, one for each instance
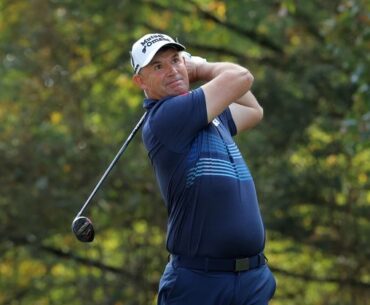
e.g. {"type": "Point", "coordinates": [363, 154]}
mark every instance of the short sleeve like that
{"type": "Point", "coordinates": [227, 120]}
{"type": "Point", "coordinates": [177, 120]}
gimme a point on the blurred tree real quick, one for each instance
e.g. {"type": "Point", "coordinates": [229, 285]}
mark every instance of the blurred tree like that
{"type": "Point", "coordinates": [67, 102]}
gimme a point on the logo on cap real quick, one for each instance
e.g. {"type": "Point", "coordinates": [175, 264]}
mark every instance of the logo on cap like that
{"type": "Point", "coordinates": [148, 42]}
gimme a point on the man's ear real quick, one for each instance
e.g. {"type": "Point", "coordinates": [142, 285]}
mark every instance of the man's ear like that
{"type": "Point", "coordinates": [138, 80]}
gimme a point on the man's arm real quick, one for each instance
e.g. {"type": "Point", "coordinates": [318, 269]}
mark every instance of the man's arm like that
{"type": "Point", "coordinates": [225, 84]}
{"type": "Point", "coordinates": [246, 112]}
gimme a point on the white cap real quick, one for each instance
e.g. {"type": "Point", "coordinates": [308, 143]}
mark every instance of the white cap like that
{"type": "Point", "coordinates": [144, 49]}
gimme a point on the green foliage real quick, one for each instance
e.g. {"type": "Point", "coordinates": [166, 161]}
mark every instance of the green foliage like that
{"type": "Point", "coordinates": [67, 102]}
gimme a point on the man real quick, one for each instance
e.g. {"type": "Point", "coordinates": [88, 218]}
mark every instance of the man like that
{"type": "Point", "coordinates": [215, 231]}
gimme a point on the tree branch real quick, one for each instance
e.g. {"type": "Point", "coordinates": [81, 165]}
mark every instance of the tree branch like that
{"type": "Point", "coordinates": [311, 278]}
{"type": "Point", "coordinates": [17, 296]}
{"type": "Point", "coordinates": [135, 278]}
{"type": "Point", "coordinates": [258, 38]}
{"type": "Point", "coordinates": [240, 57]}
{"type": "Point", "coordinates": [85, 261]}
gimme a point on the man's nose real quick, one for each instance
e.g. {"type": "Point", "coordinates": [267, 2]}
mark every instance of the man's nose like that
{"type": "Point", "coordinates": [171, 69]}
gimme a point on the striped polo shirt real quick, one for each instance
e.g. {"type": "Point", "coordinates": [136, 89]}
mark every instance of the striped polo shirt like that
{"type": "Point", "coordinates": [203, 178]}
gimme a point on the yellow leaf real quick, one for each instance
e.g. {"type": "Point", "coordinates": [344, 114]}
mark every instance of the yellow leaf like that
{"type": "Point", "coordinates": [140, 227]}
{"type": "Point", "coordinates": [295, 40]}
{"type": "Point", "coordinates": [331, 160]}
{"type": "Point", "coordinates": [362, 178]}
{"type": "Point", "coordinates": [66, 168]}
{"type": "Point", "coordinates": [56, 118]}
{"type": "Point", "coordinates": [219, 8]}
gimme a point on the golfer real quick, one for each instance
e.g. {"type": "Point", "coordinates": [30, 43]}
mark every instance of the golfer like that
{"type": "Point", "coordinates": [215, 233]}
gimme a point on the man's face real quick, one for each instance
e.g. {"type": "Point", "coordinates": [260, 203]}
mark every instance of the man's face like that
{"type": "Point", "coordinates": [165, 75]}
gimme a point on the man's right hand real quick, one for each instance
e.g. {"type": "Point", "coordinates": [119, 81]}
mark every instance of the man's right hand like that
{"type": "Point", "coordinates": [191, 63]}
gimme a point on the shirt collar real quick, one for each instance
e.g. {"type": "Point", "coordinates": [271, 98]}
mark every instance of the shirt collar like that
{"type": "Point", "coordinates": [149, 103]}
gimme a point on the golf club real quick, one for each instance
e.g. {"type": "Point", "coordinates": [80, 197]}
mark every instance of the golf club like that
{"type": "Point", "coordinates": [82, 226]}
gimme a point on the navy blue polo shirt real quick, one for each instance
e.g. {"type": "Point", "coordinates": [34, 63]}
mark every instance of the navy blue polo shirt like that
{"type": "Point", "coordinates": [205, 183]}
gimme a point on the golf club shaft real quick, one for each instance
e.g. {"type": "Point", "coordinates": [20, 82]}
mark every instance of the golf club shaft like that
{"type": "Point", "coordinates": [120, 152]}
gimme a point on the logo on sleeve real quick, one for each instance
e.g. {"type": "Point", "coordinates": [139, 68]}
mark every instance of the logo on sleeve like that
{"type": "Point", "coordinates": [216, 122]}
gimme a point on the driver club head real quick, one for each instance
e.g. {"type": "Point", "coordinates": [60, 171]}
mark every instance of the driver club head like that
{"type": "Point", "coordinates": [83, 228]}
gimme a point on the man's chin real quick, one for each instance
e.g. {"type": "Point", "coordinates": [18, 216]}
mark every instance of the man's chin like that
{"type": "Point", "coordinates": [180, 90]}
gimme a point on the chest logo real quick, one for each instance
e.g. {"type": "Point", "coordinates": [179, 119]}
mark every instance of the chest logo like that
{"type": "Point", "coordinates": [216, 122]}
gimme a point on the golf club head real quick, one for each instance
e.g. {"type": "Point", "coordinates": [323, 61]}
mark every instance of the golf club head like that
{"type": "Point", "coordinates": [83, 228]}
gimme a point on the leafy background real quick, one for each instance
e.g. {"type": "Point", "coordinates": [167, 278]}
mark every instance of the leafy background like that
{"type": "Point", "coordinates": [67, 102]}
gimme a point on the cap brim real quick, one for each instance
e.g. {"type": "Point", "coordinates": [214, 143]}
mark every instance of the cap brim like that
{"type": "Point", "coordinates": [149, 58]}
